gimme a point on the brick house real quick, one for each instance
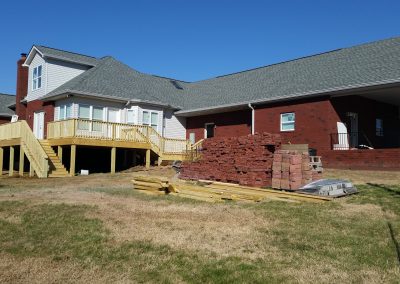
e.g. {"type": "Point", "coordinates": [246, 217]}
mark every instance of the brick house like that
{"type": "Point", "coordinates": [337, 102]}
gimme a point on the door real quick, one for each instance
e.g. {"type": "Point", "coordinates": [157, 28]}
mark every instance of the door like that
{"type": "Point", "coordinates": [38, 124]}
{"type": "Point", "coordinates": [353, 121]}
{"type": "Point", "coordinates": [113, 116]}
{"type": "Point", "coordinates": [209, 130]}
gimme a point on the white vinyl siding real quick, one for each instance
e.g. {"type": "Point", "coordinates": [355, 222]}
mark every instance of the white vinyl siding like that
{"type": "Point", "coordinates": [174, 127]}
{"type": "Point", "coordinates": [60, 72]}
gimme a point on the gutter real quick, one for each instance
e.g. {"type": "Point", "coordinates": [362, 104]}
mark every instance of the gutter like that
{"type": "Point", "coordinates": [252, 118]}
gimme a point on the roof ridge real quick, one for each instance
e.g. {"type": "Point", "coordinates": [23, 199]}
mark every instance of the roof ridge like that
{"type": "Point", "coordinates": [76, 53]}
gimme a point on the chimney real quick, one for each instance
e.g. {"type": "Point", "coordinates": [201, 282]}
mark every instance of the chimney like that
{"type": "Point", "coordinates": [22, 87]}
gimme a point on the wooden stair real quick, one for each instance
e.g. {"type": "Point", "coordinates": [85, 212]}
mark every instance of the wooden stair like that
{"type": "Point", "coordinates": [56, 168]}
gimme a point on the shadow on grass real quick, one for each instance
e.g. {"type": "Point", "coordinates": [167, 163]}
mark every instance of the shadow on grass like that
{"type": "Point", "coordinates": [385, 188]}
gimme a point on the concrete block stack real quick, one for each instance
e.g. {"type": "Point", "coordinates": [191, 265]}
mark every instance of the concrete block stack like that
{"type": "Point", "coordinates": [246, 160]}
{"type": "Point", "coordinates": [291, 169]}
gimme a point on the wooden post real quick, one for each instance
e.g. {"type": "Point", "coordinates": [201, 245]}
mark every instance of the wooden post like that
{"type": "Point", "coordinates": [31, 170]}
{"type": "Point", "coordinates": [72, 161]}
{"type": "Point", "coordinates": [1, 160]}
{"type": "Point", "coordinates": [134, 158]}
{"type": "Point", "coordinates": [147, 158]}
{"type": "Point", "coordinates": [21, 161]}
{"type": "Point", "coordinates": [113, 159]}
{"type": "Point", "coordinates": [159, 161]}
{"type": "Point", "coordinates": [11, 163]}
{"type": "Point", "coordinates": [60, 153]}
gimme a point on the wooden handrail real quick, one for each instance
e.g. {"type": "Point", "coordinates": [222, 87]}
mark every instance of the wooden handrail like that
{"type": "Point", "coordinates": [34, 151]}
{"type": "Point", "coordinates": [85, 128]}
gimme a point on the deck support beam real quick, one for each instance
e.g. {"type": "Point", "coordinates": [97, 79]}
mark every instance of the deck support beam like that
{"type": "Point", "coordinates": [113, 159]}
{"type": "Point", "coordinates": [147, 159]}
{"type": "Point", "coordinates": [159, 161]}
{"type": "Point", "coordinates": [31, 170]}
{"type": "Point", "coordinates": [60, 153]}
{"type": "Point", "coordinates": [11, 162]}
{"type": "Point", "coordinates": [72, 161]}
{"type": "Point", "coordinates": [21, 161]}
{"type": "Point", "coordinates": [1, 160]}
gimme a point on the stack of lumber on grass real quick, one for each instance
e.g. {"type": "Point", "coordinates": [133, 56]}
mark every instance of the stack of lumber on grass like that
{"type": "Point", "coordinates": [245, 160]}
{"type": "Point", "coordinates": [212, 191]}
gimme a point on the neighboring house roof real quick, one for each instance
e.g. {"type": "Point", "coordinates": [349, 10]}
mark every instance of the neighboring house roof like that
{"type": "Point", "coordinates": [364, 65]}
{"type": "Point", "coordinates": [5, 101]}
{"type": "Point", "coordinates": [112, 79]}
{"type": "Point", "coordinates": [61, 55]}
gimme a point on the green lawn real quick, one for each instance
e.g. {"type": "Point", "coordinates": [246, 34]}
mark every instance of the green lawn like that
{"type": "Point", "coordinates": [348, 240]}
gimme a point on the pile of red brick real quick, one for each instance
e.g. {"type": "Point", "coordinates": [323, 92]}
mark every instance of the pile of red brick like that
{"type": "Point", "coordinates": [246, 160]}
{"type": "Point", "coordinates": [291, 170]}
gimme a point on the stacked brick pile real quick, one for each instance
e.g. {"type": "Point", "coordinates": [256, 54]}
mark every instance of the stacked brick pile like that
{"type": "Point", "coordinates": [292, 170]}
{"type": "Point", "coordinates": [246, 160]}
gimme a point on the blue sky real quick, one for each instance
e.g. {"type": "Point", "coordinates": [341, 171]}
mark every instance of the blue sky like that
{"type": "Point", "coordinates": [187, 39]}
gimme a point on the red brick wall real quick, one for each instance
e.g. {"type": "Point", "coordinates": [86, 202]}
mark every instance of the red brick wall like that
{"type": "Point", "coordinates": [22, 88]}
{"type": "Point", "coordinates": [315, 121]}
{"type": "Point", "coordinates": [5, 119]}
{"type": "Point", "coordinates": [228, 124]}
{"type": "Point", "coordinates": [377, 159]}
{"type": "Point", "coordinates": [35, 106]}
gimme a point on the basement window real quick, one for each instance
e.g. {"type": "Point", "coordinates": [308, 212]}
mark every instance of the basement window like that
{"type": "Point", "coordinates": [287, 121]}
{"type": "Point", "coordinates": [379, 127]}
{"type": "Point", "coordinates": [37, 78]}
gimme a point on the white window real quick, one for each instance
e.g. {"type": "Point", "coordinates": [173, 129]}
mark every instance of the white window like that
{"type": "Point", "coordinates": [287, 121]}
{"type": "Point", "coordinates": [37, 77]}
{"type": "Point", "coordinates": [130, 116]}
{"type": "Point", "coordinates": [97, 113]}
{"type": "Point", "coordinates": [84, 111]}
{"type": "Point", "coordinates": [150, 118]}
{"type": "Point", "coordinates": [65, 112]}
{"type": "Point", "coordinates": [379, 127]}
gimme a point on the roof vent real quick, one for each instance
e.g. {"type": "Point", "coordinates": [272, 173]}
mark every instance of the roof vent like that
{"type": "Point", "coordinates": [176, 85]}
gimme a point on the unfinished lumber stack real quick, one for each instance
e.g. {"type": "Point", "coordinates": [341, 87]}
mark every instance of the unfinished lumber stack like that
{"type": "Point", "coordinates": [152, 185]}
{"type": "Point", "coordinates": [291, 170]}
{"type": "Point", "coordinates": [244, 160]}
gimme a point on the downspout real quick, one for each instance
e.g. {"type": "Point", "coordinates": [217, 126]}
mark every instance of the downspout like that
{"type": "Point", "coordinates": [252, 118]}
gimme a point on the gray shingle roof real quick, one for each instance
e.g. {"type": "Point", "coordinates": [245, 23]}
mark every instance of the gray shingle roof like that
{"type": "Point", "coordinates": [363, 65]}
{"type": "Point", "coordinates": [5, 101]}
{"type": "Point", "coordinates": [113, 79]}
{"type": "Point", "coordinates": [67, 56]}
{"type": "Point", "coordinates": [340, 69]}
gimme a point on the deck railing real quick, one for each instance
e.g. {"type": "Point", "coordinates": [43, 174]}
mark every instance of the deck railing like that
{"type": "Point", "coordinates": [31, 146]}
{"type": "Point", "coordinates": [90, 129]}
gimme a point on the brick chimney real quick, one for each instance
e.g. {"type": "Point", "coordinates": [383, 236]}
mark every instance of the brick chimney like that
{"type": "Point", "coordinates": [22, 87]}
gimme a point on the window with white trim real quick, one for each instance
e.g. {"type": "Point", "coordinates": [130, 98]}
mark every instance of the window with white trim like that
{"type": "Point", "coordinates": [37, 77]}
{"type": "Point", "coordinates": [130, 116]}
{"type": "Point", "coordinates": [287, 121]}
{"type": "Point", "coordinates": [379, 127]}
{"type": "Point", "coordinates": [92, 113]}
{"type": "Point", "coordinates": [150, 118]}
{"type": "Point", "coordinates": [65, 112]}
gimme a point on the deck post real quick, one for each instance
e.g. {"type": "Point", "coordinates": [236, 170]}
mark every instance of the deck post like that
{"type": "Point", "coordinates": [60, 153]}
{"type": "Point", "coordinates": [31, 170]}
{"type": "Point", "coordinates": [21, 161]}
{"type": "Point", "coordinates": [72, 161]}
{"type": "Point", "coordinates": [159, 161]}
{"type": "Point", "coordinates": [113, 159]}
{"type": "Point", "coordinates": [11, 163]}
{"type": "Point", "coordinates": [134, 160]}
{"type": "Point", "coordinates": [1, 160]}
{"type": "Point", "coordinates": [147, 158]}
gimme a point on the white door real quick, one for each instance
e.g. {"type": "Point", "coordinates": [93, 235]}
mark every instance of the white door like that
{"type": "Point", "coordinates": [113, 116]}
{"type": "Point", "coordinates": [38, 124]}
